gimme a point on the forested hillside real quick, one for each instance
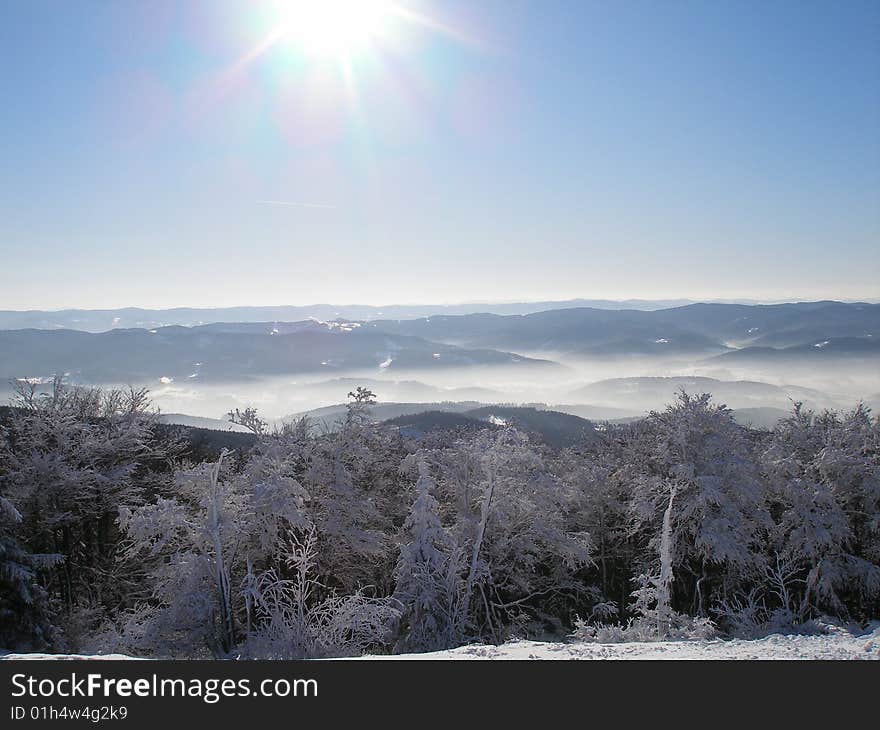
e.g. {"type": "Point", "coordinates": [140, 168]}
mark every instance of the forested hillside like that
{"type": "Point", "coordinates": [120, 534]}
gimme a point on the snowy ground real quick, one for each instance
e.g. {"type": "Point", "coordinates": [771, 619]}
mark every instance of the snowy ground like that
{"type": "Point", "coordinates": [837, 645]}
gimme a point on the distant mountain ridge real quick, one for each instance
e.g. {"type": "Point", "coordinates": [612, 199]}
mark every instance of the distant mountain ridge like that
{"type": "Point", "coordinates": [101, 320]}
{"type": "Point", "coordinates": [712, 335]}
{"type": "Point", "coordinates": [215, 353]}
{"type": "Point", "coordinates": [693, 330]}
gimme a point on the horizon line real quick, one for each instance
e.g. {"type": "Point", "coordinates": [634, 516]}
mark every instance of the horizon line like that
{"type": "Point", "coordinates": [747, 301]}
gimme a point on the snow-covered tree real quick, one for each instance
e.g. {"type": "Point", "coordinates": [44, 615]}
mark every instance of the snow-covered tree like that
{"type": "Point", "coordinates": [297, 617]}
{"type": "Point", "coordinates": [355, 487]}
{"type": "Point", "coordinates": [72, 456]}
{"type": "Point", "coordinates": [24, 613]}
{"type": "Point", "coordinates": [249, 419]}
{"type": "Point", "coordinates": [202, 544]}
{"type": "Point", "coordinates": [428, 572]}
{"type": "Point", "coordinates": [601, 490]}
{"type": "Point", "coordinates": [697, 503]}
{"type": "Point", "coordinates": [512, 519]}
{"type": "Point", "coordinates": [824, 485]}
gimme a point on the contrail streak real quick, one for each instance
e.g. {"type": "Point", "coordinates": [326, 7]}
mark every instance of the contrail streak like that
{"type": "Point", "coordinates": [295, 204]}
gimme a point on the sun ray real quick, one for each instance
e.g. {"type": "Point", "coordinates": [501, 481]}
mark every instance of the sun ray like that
{"type": "Point", "coordinates": [425, 21]}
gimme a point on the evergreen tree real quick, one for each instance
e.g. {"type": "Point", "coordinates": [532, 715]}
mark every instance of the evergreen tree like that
{"type": "Point", "coordinates": [427, 572]}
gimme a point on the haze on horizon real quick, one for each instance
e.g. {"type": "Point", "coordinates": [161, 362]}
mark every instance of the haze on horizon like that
{"type": "Point", "coordinates": [201, 154]}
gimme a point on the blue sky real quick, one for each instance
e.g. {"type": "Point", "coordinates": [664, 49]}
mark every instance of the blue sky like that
{"type": "Point", "coordinates": [503, 150]}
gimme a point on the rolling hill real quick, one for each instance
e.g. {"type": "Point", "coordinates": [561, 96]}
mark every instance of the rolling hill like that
{"type": "Point", "coordinates": [554, 428]}
{"type": "Point", "coordinates": [228, 352]}
{"type": "Point", "coordinates": [696, 329]}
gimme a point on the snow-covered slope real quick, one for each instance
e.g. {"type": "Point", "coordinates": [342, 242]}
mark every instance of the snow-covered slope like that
{"type": "Point", "coordinates": [837, 645]}
{"type": "Point", "coordinates": [841, 646]}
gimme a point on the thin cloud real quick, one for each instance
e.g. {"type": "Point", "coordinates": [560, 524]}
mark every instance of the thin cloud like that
{"type": "Point", "coordinates": [295, 204]}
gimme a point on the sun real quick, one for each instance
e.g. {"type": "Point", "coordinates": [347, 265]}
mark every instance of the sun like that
{"type": "Point", "coordinates": [333, 27]}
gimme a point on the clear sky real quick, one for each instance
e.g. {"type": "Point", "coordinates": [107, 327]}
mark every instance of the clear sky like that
{"type": "Point", "coordinates": [208, 153]}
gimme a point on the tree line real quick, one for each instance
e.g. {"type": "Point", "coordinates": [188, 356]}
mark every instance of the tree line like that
{"type": "Point", "coordinates": [684, 524]}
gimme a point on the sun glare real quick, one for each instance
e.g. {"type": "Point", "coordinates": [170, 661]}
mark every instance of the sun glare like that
{"type": "Point", "coordinates": [333, 27]}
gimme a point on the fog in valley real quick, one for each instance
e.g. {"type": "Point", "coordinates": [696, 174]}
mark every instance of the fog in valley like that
{"type": "Point", "coordinates": [606, 389]}
{"type": "Point", "coordinates": [599, 364]}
